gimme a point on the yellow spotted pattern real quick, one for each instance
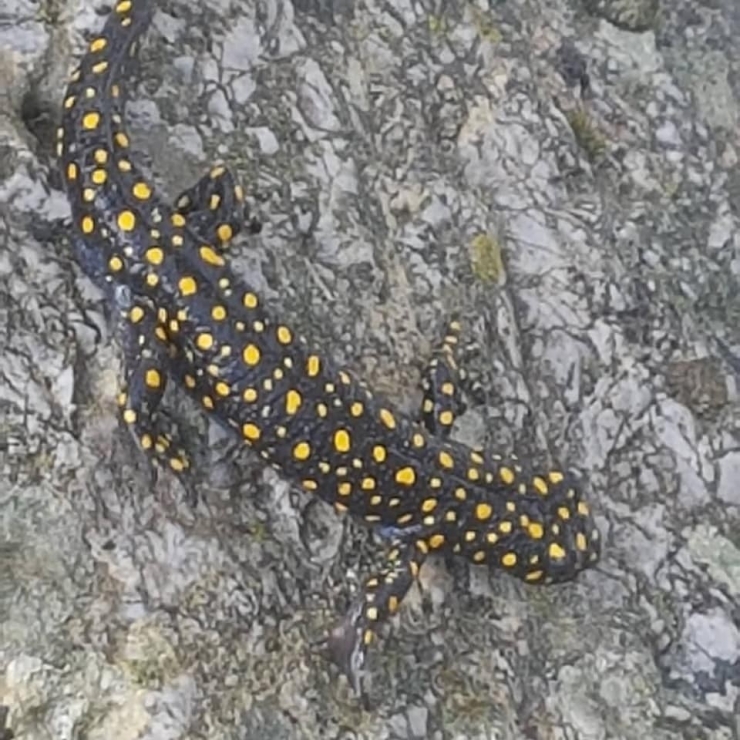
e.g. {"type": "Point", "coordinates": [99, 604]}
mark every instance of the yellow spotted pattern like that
{"type": "Point", "coordinates": [188, 316]}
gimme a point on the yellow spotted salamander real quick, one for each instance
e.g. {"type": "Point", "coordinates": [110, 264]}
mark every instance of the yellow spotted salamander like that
{"type": "Point", "coordinates": [183, 314]}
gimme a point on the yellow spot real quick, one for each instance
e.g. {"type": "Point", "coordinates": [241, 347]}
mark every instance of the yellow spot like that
{"type": "Point", "coordinates": [213, 202]}
{"type": "Point", "coordinates": [136, 314]}
{"type": "Point", "coordinates": [72, 171]}
{"type": "Point", "coordinates": [556, 552]}
{"type": "Point", "coordinates": [536, 531]}
{"type": "Point", "coordinates": [90, 121]}
{"type": "Point", "coordinates": [284, 335]}
{"type": "Point", "coordinates": [555, 477]}
{"type": "Point", "coordinates": [250, 395]}
{"type": "Point", "coordinates": [123, 7]}
{"type": "Point", "coordinates": [217, 172]}
{"type": "Point", "coordinates": [342, 441]}
{"type": "Point", "coordinates": [483, 511]}
{"type": "Point", "coordinates": [176, 240]}
{"type": "Point", "coordinates": [322, 410]}
{"type": "Point", "coordinates": [177, 219]}
{"type": "Point", "coordinates": [404, 518]}
{"type": "Point", "coordinates": [540, 485]}
{"type": "Point", "coordinates": [428, 505]}
{"type": "Point", "coordinates": [583, 509]}
{"type": "Point", "coordinates": [222, 389]}
{"type": "Point", "coordinates": [126, 220]}
{"type": "Point", "coordinates": [379, 453]}
{"type": "Point", "coordinates": [504, 527]}
{"type": "Point", "coordinates": [153, 378]}
{"type": "Point", "coordinates": [124, 165]}
{"type": "Point", "coordinates": [507, 475]}
{"type": "Point", "coordinates": [187, 286]}
{"type": "Point", "coordinates": [302, 451]}
{"type": "Point", "coordinates": [190, 381]}
{"type": "Point", "coordinates": [224, 232]}
{"type": "Point", "coordinates": [98, 44]}
{"type": "Point", "coordinates": [479, 556]}
{"type": "Point", "coordinates": [87, 225]}
{"type": "Point", "coordinates": [115, 91]}
{"type": "Point", "coordinates": [218, 313]}
{"type": "Point", "coordinates": [436, 541]}
{"type": "Point", "coordinates": [533, 575]}
{"type": "Point", "coordinates": [99, 68]}
{"type": "Point", "coordinates": [392, 604]}
{"type": "Point", "coordinates": [418, 440]}
{"type": "Point", "coordinates": [313, 366]}
{"type": "Point", "coordinates": [581, 542]}
{"type": "Point", "coordinates": [368, 637]}
{"type": "Point", "coordinates": [211, 257]}
{"type": "Point", "coordinates": [177, 465]}
{"type": "Point", "coordinates": [563, 512]}
{"type": "Point", "coordinates": [101, 156]}
{"type": "Point", "coordinates": [204, 341]}
{"type": "Point", "coordinates": [509, 559]}
{"type": "Point", "coordinates": [293, 401]}
{"type": "Point", "coordinates": [445, 460]}
{"type": "Point", "coordinates": [121, 139]}
{"type": "Point", "coordinates": [251, 355]}
{"type": "Point", "coordinates": [250, 300]}
{"type": "Point", "coordinates": [141, 191]}
{"type": "Point", "coordinates": [251, 432]}
{"type": "Point", "coordinates": [461, 494]}
{"type": "Point", "coordinates": [446, 418]}
{"type": "Point", "coordinates": [492, 538]}
{"type": "Point", "coordinates": [510, 506]}
{"type": "Point", "coordinates": [387, 418]}
{"type": "Point", "coordinates": [473, 474]}
{"type": "Point", "coordinates": [208, 402]}
{"type": "Point", "coordinates": [356, 409]}
{"type": "Point", "coordinates": [115, 264]}
{"type": "Point", "coordinates": [368, 484]}
{"type": "Point", "coordinates": [406, 476]}
{"type": "Point", "coordinates": [88, 195]}
{"type": "Point", "coordinates": [99, 176]}
{"type": "Point", "coordinates": [152, 280]}
{"type": "Point", "coordinates": [344, 488]}
{"type": "Point", "coordinates": [129, 416]}
{"type": "Point", "coordinates": [154, 255]}
{"type": "Point", "coordinates": [146, 442]}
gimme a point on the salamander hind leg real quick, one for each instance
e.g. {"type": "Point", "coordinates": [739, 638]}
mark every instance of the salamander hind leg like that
{"type": "Point", "coordinates": [442, 402]}
{"type": "Point", "coordinates": [214, 206]}
{"type": "Point", "coordinates": [147, 356]}
{"type": "Point", "coordinates": [380, 598]}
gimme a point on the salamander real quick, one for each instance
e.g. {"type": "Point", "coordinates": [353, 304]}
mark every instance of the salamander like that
{"type": "Point", "coordinates": [184, 315]}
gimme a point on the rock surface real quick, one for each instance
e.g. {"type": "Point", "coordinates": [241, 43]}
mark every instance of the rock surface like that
{"type": "Point", "coordinates": [562, 175]}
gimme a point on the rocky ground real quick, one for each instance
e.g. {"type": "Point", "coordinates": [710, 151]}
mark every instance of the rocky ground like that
{"type": "Point", "coordinates": [562, 173]}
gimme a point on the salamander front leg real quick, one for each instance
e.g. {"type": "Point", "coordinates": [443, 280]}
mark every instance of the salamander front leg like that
{"type": "Point", "coordinates": [214, 207]}
{"type": "Point", "coordinates": [441, 385]}
{"type": "Point", "coordinates": [381, 596]}
{"type": "Point", "coordinates": [147, 354]}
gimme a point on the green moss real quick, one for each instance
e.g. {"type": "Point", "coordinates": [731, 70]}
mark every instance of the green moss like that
{"type": "Point", "coordinates": [486, 258]}
{"type": "Point", "coordinates": [587, 134]}
{"type": "Point", "coordinates": [485, 26]}
{"type": "Point", "coordinates": [437, 25]}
